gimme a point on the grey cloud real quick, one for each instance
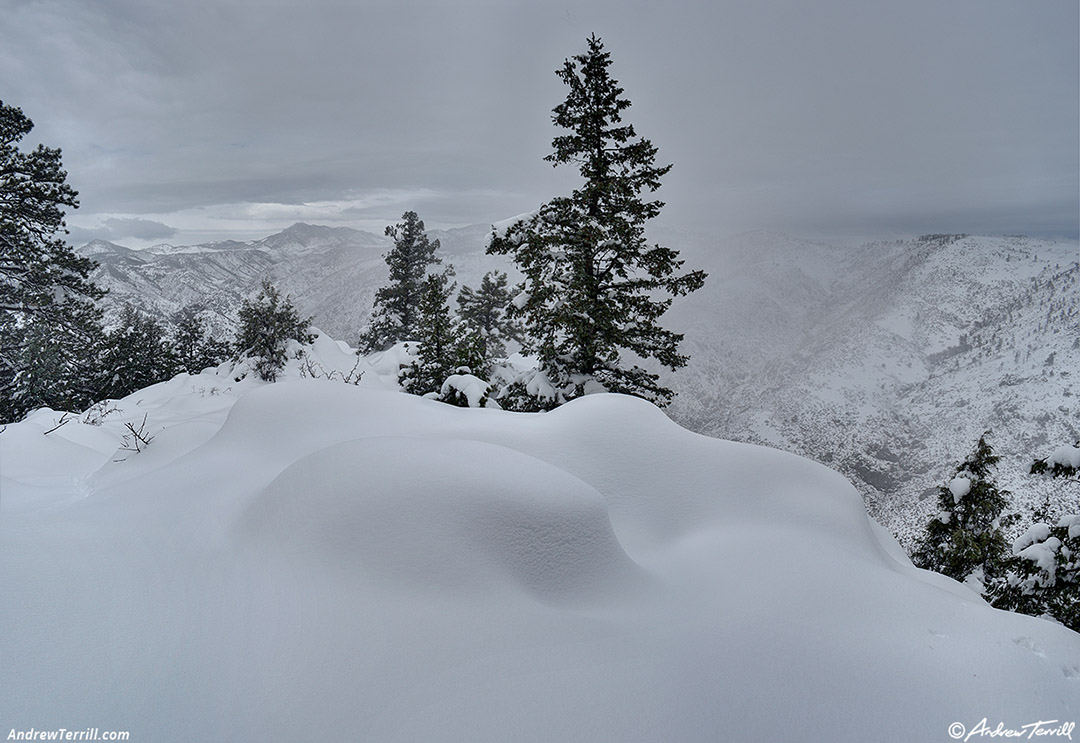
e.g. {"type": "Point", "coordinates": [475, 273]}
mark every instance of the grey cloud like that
{"type": "Point", "coordinates": [115, 229]}
{"type": "Point", "coordinates": [806, 116]}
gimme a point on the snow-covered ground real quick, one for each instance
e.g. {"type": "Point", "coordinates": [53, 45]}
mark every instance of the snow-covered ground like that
{"type": "Point", "coordinates": [312, 559]}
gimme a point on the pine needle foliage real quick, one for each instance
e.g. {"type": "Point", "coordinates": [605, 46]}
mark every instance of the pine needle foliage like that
{"type": "Point", "coordinates": [594, 287]}
{"type": "Point", "coordinates": [396, 311]}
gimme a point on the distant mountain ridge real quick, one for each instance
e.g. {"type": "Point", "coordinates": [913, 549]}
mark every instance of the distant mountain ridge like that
{"type": "Point", "coordinates": [884, 360]}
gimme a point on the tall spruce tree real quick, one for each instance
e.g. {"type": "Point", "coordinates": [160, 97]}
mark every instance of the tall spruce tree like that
{"type": "Point", "coordinates": [965, 538]}
{"type": "Point", "coordinates": [485, 314]}
{"type": "Point", "coordinates": [439, 336]}
{"type": "Point", "coordinates": [396, 311]}
{"type": "Point", "coordinates": [44, 285]}
{"type": "Point", "coordinates": [593, 285]}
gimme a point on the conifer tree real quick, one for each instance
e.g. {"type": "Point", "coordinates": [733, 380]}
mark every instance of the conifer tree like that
{"type": "Point", "coordinates": [485, 314]}
{"type": "Point", "coordinates": [438, 334]}
{"type": "Point", "coordinates": [56, 369]}
{"type": "Point", "coordinates": [267, 324]}
{"type": "Point", "coordinates": [134, 355]}
{"type": "Point", "coordinates": [396, 310]}
{"type": "Point", "coordinates": [44, 286]}
{"type": "Point", "coordinates": [1043, 573]}
{"type": "Point", "coordinates": [593, 289]}
{"type": "Point", "coordinates": [194, 347]}
{"type": "Point", "coordinates": [965, 538]}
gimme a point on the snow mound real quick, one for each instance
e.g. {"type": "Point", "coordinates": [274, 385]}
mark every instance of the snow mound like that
{"type": "Point", "coordinates": [316, 559]}
{"type": "Point", "coordinates": [453, 515]}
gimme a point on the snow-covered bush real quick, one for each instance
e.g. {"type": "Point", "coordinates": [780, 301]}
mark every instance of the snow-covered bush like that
{"type": "Point", "coordinates": [1063, 462]}
{"type": "Point", "coordinates": [1044, 573]}
{"type": "Point", "coordinates": [267, 324]}
{"type": "Point", "coordinates": [466, 390]}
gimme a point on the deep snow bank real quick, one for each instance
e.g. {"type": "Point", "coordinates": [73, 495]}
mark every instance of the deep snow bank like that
{"type": "Point", "coordinates": [311, 559]}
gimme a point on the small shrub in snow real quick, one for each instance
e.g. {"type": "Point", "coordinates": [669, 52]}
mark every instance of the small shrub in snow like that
{"type": "Point", "coordinates": [466, 391]}
{"type": "Point", "coordinates": [136, 439]}
{"type": "Point", "coordinates": [312, 369]}
{"type": "Point", "coordinates": [528, 392]}
{"type": "Point", "coordinates": [267, 324]}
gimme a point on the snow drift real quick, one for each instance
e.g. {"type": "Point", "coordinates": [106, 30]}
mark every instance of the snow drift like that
{"type": "Point", "coordinates": [315, 559]}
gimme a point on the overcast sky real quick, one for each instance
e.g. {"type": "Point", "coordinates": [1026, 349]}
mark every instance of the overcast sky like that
{"type": "Point", "coordinates": [187, 120]}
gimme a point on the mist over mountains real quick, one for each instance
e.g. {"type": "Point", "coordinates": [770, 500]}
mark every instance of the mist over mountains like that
{"type": "Point", "coordinates": [885, 360]}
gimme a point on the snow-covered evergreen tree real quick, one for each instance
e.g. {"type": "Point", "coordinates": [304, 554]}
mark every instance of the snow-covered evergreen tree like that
{"type": "Point", "coordinates": [396, 310]}
{"type": "Point", "coordinates": [438, 334]}
{"type": "Point", "coordinates": [56, 370]}
{"type": "Point", "coordinates": [594, 288]}
{"type": "Point", "coordinates": [134, 355]}
{"type": "Point", "coordinates": [1062, 462]}
{"type": "Point", "coordinates": [1043, 575]}
{"type": "Point", "coordinates": [44, 286]}
{"type": "Point", "coordinates": [964, 539]}
{"type": "Point", "coordinates": [485, 314]}
{"type": "Point", "coordinates": [267, 324]}
{"type": "Point", "coordinates": [193, 345]}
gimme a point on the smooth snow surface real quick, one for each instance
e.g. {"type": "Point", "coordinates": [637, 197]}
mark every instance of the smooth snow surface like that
{"type": "Point", "coordinates": [315, 560]}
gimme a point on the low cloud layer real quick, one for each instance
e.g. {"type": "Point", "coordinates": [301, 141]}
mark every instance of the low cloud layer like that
{"type": "Point", "coordinates": [831, 117]}
{"type": "Point", "coordinates": [114, 229]}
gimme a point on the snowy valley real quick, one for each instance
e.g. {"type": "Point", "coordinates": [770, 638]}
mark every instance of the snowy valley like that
{"type": "Point", "coordinates": [884, 361]}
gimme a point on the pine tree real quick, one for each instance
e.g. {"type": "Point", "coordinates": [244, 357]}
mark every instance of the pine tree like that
{"type": "Point", "coordinates": [965, 538]}
{"type": "Point", "coordinates": [485, 314]}
{"type": "Point", "coordinates": [56, 370]}
{"type": "Point", "coordinates": [267, 324]}
{"type": "Point", "coordinates": [396, 310]}
{"type": "Point", "coordinates": [593, 284]}
{"type": "Point", "coordinates": [438, 334]}
{"type": "Point", "coordinates": [194, 347]}
{"type": "Point", "coordinates": [1043, 574]}
{"type": "Point", "coordinates": [134, 355]}
{"type": "Point", "coordinates": [44, 285]}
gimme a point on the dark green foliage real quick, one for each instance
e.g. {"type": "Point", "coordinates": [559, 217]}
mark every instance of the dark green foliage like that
{"type": "Point", "coordinates": [44, 286]}
{"type": "Point", "coordinates": [56, 370]}
{"type": "Point", "coordinates": [267, 324]}
{"type": "Point", "coordinates": [965, 536]}
{"type": "Point", "coordinates": [1057, 469]}
{"type": "Point", "coordinates": [485, 313]}
{"type": "Point", "coordinates": [134, 355]}
{"type": "Point", "coordinates": [439, 336]}
{"type": "Point", "coordinates": [1044, 573]}
{"type": "Point", "coordinates": [521, 396]}
{"type": "Point", "coordinates": [397, 305]}
{"type": "Point", "coordinates": [194, 347]}
{"type": "Point", "coordinates": [593, 285]}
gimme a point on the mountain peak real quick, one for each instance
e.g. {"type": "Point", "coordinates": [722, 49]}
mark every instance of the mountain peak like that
{"type": "Point", "coordinates": [102, 247]}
